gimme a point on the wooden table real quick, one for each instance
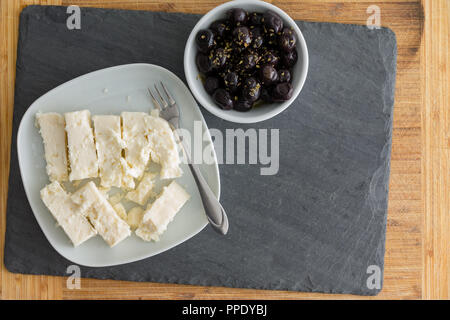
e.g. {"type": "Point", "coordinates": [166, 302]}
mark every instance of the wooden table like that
{"type": "Point", "coordinates": [418, 234]}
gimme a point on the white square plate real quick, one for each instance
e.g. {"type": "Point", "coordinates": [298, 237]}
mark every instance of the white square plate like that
{"type": "Point", "coordinates": [111, 91]}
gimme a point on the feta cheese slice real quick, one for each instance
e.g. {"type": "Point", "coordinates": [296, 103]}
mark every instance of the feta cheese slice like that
{"type": "Point", "coordinates": [108, 141]}
{"type": "Point", "coordinates": [51, 127]}
{"type": "Point", "coordinates": [67, 213]}
{"type": "Point", "coordinates": [137, 150]}
{"type": "Point", "coordinates": [101, 214]}
{"type": "Point", "coordinates": [80, 138]}
{"type": "Point", "coordinates": [143, 191]}
{"type": "Point", "coordinates": [147, 136]}
{"type": "Point", "coordinates": [163, 147]}
{"type": "Point", "coordinates": [161, 212]}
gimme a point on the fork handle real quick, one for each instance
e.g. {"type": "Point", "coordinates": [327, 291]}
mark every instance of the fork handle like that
{"type": "Point", "coordinates": [214, 211]}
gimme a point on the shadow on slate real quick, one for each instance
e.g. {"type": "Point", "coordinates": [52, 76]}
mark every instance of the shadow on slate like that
{"type": "Point", "coordinates": [317, 225]}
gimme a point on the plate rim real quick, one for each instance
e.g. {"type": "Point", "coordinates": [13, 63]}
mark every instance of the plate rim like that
{"type": "Point", "coordinates": [86, 75]}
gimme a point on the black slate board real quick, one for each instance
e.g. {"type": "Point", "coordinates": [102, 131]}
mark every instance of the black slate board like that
{"type": "Point", "coordinates": [315, 226]}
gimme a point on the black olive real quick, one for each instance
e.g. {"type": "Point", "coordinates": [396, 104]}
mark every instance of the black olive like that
{"type": "Point", "coordinates": [219, 27]}
{"type": "Point", "coordinates": [203, 63]}
{"type": "Point", "coordinates": [266, 95]}
{"type": "Point", "coordinates": [251, 90]}
{"type": "Point", "coordinates": [257, 42]}
{"type": "Point", "coordinates": [243, 105]}
{"type": "Point", "coordinates": [289, 58]}
{"type": "Point", "coordinates": [271, 39]}
{"type": "Point", "coordinates": [272, 21]}
{"type": "Point", "coordinates": [268, 75]}
{"type": "Point", "coordinates": [218, 58]}
{"type": "Point", "coordinates": [250, 82]}
{"type": "Point", "coordinates": [223, 99]}
{"type": "Point", "coordinates": [270, 58]}
{"type": "Point", "coordinates": [256, 32]}
{"type": "Point", "coordinates": [282, 91]}
{"type": "Point", "coordinates": [250, 61]}
{"type": "Point", "coordinates": [205, 40]}
{"type": "Point", "coordinates": [287, 40]}
{"type": "Point", "coordinates": [211, 84]}
{"type": "Point", "coordinates": [242, 37]}
{"type": "Point", "coordinates": [231, 81]}
{"type": "Point", "coordinates": [257, 38]}
{"type": "Point", "coordinates": [284, 75]}
{"type": "Point", "coordinates": [237, 51]}
{"type": "Point", "coordinates": [255, 18]}
{"type": "Point", "coordinates": [237, 16]}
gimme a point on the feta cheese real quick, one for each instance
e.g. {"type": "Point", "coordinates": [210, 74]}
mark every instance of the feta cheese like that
{"type": "Point", "coordinates": [163, 147]}
{"type": "Point", "coordinates": [108, 141]}
{"type": "Point", "coordinates": [51, 127]}
{"type": "Point", "coordinates": [120, 210]}
{"type": "Point", "coordinates": [101, 214]}
{"type": "Point", "coordinates": [134, 217]}
{"type": "Point", "coordinates": [137, 151]}
{"type": "Point", "coordinates": [143, 191]}
{"type": "Point", "coordinates": [127, 177]}
{"type": "Point", "coordinates": [161, 212]}
{"type": "Point", "coordinates": [155, 112]}
{"type": "Point", "coordinates": [67, 213]}
{"type": "Point", "coordinates": [80, 138]}
{"type": "Point", "coordinates": [146, 135]}
{"type": "Point", "coordinates": [104, 191]}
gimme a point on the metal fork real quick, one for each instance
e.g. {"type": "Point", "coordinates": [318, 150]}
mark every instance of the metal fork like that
{"type": "Point", "coordinates": [169, 111]}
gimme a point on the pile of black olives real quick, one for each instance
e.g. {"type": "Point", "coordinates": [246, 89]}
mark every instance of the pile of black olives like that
{"type": "Point", "coordinates": [247, 58]}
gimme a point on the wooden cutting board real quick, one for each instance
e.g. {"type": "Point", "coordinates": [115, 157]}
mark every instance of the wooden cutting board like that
{"type": "Point", "coordinates": [418, 237]}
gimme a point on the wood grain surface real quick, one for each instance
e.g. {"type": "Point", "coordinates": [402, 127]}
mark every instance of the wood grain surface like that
{"type": "Point", "coordinates": [418, 236]}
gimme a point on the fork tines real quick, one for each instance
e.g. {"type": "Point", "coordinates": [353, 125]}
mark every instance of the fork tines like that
{"type": "Point", "coordinates": [167, 93]}
{"type": "Point", "coordinates": [167, 106]}
{"type": "Point", "coordinates": [155, 102]}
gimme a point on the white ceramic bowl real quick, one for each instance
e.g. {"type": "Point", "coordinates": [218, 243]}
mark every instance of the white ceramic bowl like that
{"type": "Point", "coordinates": [266, 110]}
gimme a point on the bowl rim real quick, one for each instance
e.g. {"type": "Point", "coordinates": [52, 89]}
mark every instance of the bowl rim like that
{"type": "Point", "coordinates": [225, 114]}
